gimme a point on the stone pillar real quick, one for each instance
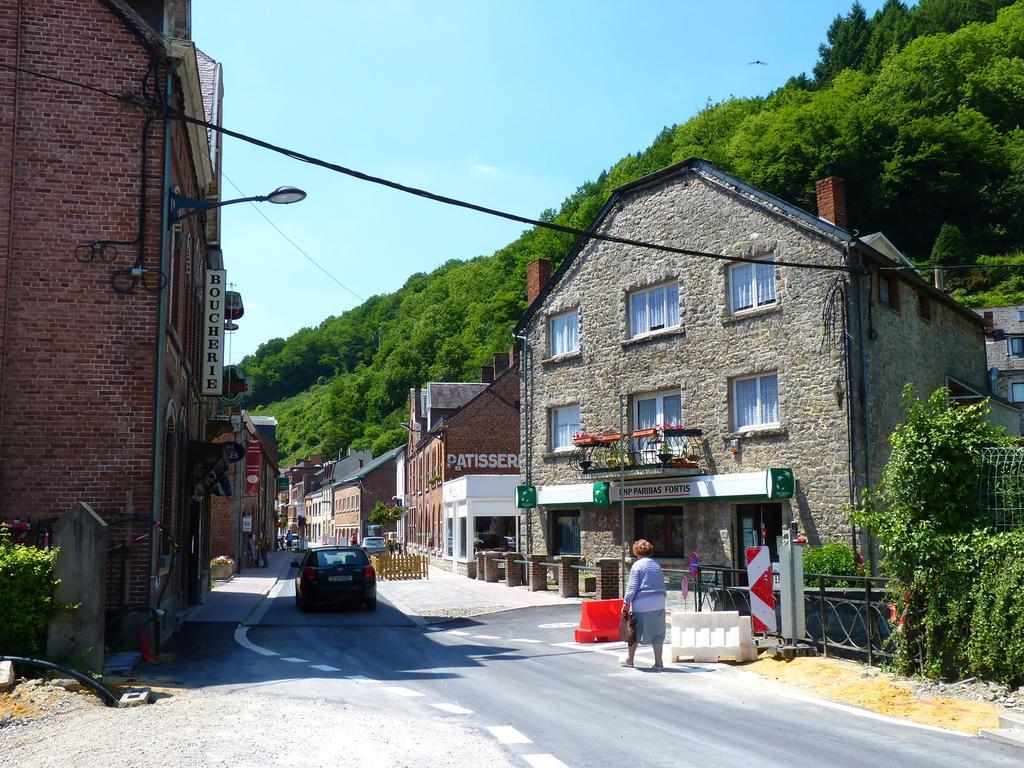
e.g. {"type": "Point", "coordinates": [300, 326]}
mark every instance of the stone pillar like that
{"type": "Point", "coordinates": [81, 536]}
{"type": "Point", "coordinates": [608, 578]}
{"type": "Point", "coordinates": [568, 577]}
{"type": "Point", "coordinates": [538, 573]}
{"type": "Point", "coordinates": [479, 557]}
{"type": "Point", "coordinates": [491, 567]}
{"type": "Point", "coordinates": [513, 570]}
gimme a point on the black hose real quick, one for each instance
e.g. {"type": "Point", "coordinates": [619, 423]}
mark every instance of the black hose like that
{"type": "Point", "coordinates": [106, 696]}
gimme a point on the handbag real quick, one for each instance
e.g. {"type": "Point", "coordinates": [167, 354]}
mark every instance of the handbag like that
{"type": "Point", "coordinates": [627, 628]}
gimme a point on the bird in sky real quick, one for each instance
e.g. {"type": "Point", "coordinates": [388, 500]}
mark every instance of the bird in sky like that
{"type": "Point", "coordinates": [757, 61]}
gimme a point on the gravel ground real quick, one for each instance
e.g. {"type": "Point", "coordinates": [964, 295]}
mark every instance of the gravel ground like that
{"type": "Point", "coordinates": [205, 729]}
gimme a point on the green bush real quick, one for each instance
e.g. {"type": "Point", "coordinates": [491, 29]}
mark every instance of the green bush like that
{"type": "Point", "coordinates": [831, 559]}
{"type": "Point", "coordinates": [27, 585]}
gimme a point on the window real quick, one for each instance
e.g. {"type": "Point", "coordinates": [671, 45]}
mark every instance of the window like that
{"type": "Point", "coordinates": [756, 402]}
{"type": "Point", "coordinates": [1020, 315]}
{"type": "Point", "coordinates": [663, 527]}
{"type": "Point", "coordinates": [888, 291]}
{"type": "Point", "coordinates": [751, 286]}
{"type": "Point", "coordinates": [564, 333]}
{"type": "Point", "coordinates": [565, 532]}
{"type": "Point", "coordinates": [1017, 392]}
{"type": "Point", "coordinates": [1016, 346]}
{"type": "Point", "coordinates": [656, 409]}
{"type": "Point", "coordinates": [924, 306]}
{"type": "Point", "coordinates": [653, 309]}
{"type": "Point", "coordinates": [565, 422]}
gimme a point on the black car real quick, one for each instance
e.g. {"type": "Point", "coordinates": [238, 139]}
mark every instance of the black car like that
{"type": "Point", "coordinates": [335, 575]}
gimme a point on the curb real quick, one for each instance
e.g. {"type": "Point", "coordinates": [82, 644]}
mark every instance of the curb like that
{"type": "Point", "coordinates": [255, 616]}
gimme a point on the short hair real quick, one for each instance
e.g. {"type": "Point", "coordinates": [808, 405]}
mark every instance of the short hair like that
{"type": "Point", "coordinates": [643, 548]}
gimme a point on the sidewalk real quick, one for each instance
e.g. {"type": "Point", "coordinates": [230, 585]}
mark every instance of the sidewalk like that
{"type": "Point", "coordinates": [234, 600]}
{"type": "Point", "coordinates": [447, 595]}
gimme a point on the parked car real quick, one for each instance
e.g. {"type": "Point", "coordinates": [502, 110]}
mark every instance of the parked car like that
{"type": "Point", "coordinates": [335, 575]}
{"type": "Point", "coordinates": [374, 545]}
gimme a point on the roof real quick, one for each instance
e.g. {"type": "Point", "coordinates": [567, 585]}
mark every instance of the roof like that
{"type": "Point", "coordinates": [209, 81]}
{"type": "Point", "coordinates": [1005, 318]}
{"type": "Point", "coordinates": [436, 429]}
{"type": "Point", "coordinates": [730, 183]}
{"type": "Point", "coordinates": [366, 469]}
{"type": "Point", "coordinates": [452, 394]}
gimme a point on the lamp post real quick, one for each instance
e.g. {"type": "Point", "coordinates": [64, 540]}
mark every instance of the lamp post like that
{"type": "Point", "coordinates": [182, 207]}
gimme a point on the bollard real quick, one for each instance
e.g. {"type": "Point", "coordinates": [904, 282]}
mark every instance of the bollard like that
{"type": "Point", "coordinates": [513, 570]}
{"type": "Point", "coordinates": [538, 573]}
{"type": "Point", "coordinates": [608, 578]}
{"type": "Point", "coordinates": [568, 577]}
{"type": "Point", "coordinates": [479, 565]}
{"type": "Point", "coordinates": [491, 567]}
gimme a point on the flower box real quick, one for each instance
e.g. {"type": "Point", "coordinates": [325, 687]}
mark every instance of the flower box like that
{"type": "Point", "coordinates": [641, 433]}
{"type": "Point", "coordinates": [609, 439]}
{"type": "Point", "coordinates": [583, 440]}
{"type": "Point", "coordinates": [221, 571]}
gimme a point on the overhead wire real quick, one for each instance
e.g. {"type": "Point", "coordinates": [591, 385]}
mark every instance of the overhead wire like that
{"type": "Point", "coordinates": [295, 245]}
{"type": "Point", "coordinates": [586, 234]}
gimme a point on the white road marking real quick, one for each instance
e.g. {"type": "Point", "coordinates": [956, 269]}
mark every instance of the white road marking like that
{"type": "Point", "coordinates": [544, 761]}
{"type": "Point", "coordinates": [455, 709]}
{"type": "Point", "coordinates": [360, 679]}
{"type": "Point", "coordinates": [506, 734]}
{"type": "Point", "coordinates": [524, 640]}
{"type": "Point", "coordinates": [294, 660]}
{"type": "Point", "coordinates": [325, 668]}
{"type": "Point", "coordinates": [458, 632]}
{"type": "Point", "coordinates": [434, 629]}
{"type": "Point", "coordinates": [487, 637]}
{"type": "Point", "coordinates": [400, 691]}
{"type": "Point", "coordinates": [242, 640]}
{"type": "Point", "coordinates": [559, 625]}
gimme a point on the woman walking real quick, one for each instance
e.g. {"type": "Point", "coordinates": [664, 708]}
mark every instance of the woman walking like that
{"type": "Point", "coordinates": [645, 600]}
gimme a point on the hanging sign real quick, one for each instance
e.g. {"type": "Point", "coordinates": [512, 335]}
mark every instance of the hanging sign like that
{"type": "Point", "coordinates": [252, 468]}
{"type": "Point", "coordinates": [213, 333]}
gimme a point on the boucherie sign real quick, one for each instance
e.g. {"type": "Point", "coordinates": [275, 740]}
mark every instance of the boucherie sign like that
{"type": "Point", "coordinates": [460, 461]}
{"type": "Point", "coordinates": [213, 333]}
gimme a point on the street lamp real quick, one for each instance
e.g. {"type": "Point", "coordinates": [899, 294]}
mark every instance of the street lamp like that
{"type": "Point", "coordinates": [181, 206]}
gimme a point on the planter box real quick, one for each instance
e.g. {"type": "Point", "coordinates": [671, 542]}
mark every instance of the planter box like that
{"type": "Point", "coordinates": [221, 572]}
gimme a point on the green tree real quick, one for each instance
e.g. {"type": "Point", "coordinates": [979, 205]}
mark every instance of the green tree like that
{"type": "Point", "coordinates": [848, 37]}
{"type": "Point", "coordinates": [950, 247]}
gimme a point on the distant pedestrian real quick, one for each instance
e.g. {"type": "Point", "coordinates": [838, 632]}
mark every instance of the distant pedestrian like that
{"type": "Point", "coordinates": [352, 540]}
{"type": "Point", "coordinates": [264, 549]}
{"type": "Point", "coordinates": [645, 600]}
{"type": "Point", "coordinates": [251, 545]}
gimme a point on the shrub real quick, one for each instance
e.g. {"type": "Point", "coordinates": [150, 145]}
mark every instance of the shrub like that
{"type": "Point", "coordinates": [27, 585]}
{"type": "Point", "coordinates": [831, 559]}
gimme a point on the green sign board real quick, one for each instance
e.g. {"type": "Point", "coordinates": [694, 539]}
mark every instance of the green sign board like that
{"type": "Point", "coordinates": [526, 496]}
{"type": "Point", "coordinates": [602, 494]}
{"type": "Point", "coordinates": [282, 483]}
{"type": "Point", "coordinates": [780, 483]}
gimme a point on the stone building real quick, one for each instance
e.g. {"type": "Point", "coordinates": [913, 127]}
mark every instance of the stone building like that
{"type": "Point", "coordinates": [778, 377]}
{"type": "Point", "coordinates": [102, 342]}
{"type": "Point", "coordinates": [1004, 352]}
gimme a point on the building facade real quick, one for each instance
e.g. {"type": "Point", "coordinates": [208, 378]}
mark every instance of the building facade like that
{"type": "Point", "coordinates": [722, 399]}
{"type": "Point", "coordinates": [1004, 353]}
{"type": "Point", "coordinates": [357, 492]}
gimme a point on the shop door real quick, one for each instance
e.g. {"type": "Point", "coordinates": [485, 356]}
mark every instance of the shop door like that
{"type": "Point", "coordinates": [758, 525]}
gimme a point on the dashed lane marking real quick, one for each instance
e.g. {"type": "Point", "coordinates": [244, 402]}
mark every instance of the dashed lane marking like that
{"type": "Point", "coordinates": [242, 640]}
{"type": "Point", "coordinates": [558, 625]}
{"type": "Point", "coordinates": [398, 690]}
{"type": "Point", "coordinates": [486, 637]}
{"type": "Point", "coordinates": [434, 629]}
{"type": "Point", "coordinates": [325, 668]}
{"type": "Point", "coordinates": [295, 660]}
{"type": "Point", "coordinates": [360, 679]}
{"type": "Point", "coordinates": [455, 709]}
{"type": "Point", "coordinates": [544, 761]}
{"type": "Point", "coordinates": [523, 640]}
{"type": "Point", "coordinates": [506, 734]}
{"type": "Point", "coordinates": [458, 632]}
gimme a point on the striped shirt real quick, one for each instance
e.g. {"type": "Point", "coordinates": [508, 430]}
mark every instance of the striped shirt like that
{"type": "Point", "coordinates": [645, 590]}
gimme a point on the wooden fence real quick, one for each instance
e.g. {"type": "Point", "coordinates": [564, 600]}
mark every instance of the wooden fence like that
{"type": "Point", "coordinates": [398, 567]}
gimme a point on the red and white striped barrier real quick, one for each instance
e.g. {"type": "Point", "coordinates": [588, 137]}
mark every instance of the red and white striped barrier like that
{"type": "Point", "coordinates": [762, 598]}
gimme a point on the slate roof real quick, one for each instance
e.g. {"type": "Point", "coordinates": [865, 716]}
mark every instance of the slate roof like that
{"type": "Point", "coordinates": [366, 469]}
{"type": "Point", "coordinates": [209, 83]}
{"type": "Point", "coordinates": [448, 395]}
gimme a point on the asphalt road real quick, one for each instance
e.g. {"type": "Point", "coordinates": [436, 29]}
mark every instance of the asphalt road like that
{"type": "Point", "coordinates": [517, 677]}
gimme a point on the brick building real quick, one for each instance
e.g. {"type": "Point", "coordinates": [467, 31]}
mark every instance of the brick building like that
{"type": "Point", "coordinates": [754, 393]}
{"type": "Point", "coordinates": [463, 466]}
{"type": "Point", "coordinates": [101, 338]}
{"type": "Point", "coordinates": [356, 492]}
{"type": "Point", "coordinates": [302, 477]}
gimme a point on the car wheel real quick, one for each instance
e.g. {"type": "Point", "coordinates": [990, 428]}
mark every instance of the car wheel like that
{"type": "Point", "coordinates": [371, 605]}
{"type": "Point", "coordinates": [301, 603]}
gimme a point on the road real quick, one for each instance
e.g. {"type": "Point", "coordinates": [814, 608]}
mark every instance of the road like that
{"type": "Point", "coordinates": [516, 677]}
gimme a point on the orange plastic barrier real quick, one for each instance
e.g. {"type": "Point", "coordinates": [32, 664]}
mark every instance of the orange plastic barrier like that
{"type": "Point", "coordinates": [599, 622]}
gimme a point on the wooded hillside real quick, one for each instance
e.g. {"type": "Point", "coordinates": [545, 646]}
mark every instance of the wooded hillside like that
{"type": "Point", "coordinates": [920, 110]}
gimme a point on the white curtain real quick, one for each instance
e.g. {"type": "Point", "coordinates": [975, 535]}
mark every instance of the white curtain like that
{"type": "Point", "coordinates": [656, 302]}
{"type": "Point", "coordinates": [672, 305]}
{"type": "Point", "coordinates": [673, 410]}
{"type": "Point", "coordinates": [565, 333]}
{"type": "Point", "coordinates": [742, 295]}
{"type": "Point", "coordinates": [765, 276]}
{"type": "Point", "coordinates": [746, 403]}
{"type": "Point", "coordinates": [646, 413]}
{"type": "Point", "coordinates": [769, 399]}
{"type": "Point", "coordinates": [565, 422]}
{"type": "Point", "coordinates": [638, 314]}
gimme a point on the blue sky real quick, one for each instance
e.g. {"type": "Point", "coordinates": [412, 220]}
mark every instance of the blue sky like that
{"type": "Point", "coordinates": [512, 105]}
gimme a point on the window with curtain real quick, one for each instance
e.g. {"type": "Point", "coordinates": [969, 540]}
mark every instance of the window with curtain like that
{"type": "Point", "coordinates": [653, 309]}
{"type": "Point", "coordinates": [756, 402]}
{"type": "Point", "coordinates": [657, 409]}
{"type": "Point", "coordinates": [751, 286]}
{"type": "Point", "coordinates": [1017, 392]}
{"type": "Point", "coordinates": [564, 333]}
{"type": "Point", "coordinates": [565, 422]}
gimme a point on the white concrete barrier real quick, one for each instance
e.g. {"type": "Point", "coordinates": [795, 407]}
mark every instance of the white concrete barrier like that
{"type": "Point", "coordinates": [711, 635]}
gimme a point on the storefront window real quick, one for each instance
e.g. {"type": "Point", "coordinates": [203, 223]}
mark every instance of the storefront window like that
{"type": "Point", "coordinates": [663, 527]}
{"type": "Point", "coordinates": [565, 534]}
{"type": "Point", "coordinates": [464, 524]}
{"type": "Point", "coordinates": [449, 533]}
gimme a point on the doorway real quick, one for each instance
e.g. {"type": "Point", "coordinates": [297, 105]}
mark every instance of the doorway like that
{"type": "Point", "coordinates": [758, 525]}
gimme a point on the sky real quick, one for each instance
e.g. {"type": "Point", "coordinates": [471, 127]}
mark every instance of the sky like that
{"type": "Point", "coordinates": [512, 105]}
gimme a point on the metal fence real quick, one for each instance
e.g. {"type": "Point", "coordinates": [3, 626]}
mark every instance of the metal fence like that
{"type": "Point", "coordinates": [1002, 486]}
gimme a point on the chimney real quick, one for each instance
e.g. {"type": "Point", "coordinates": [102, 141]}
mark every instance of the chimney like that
{"type": "Point", "coordinates": [832, 200]}
{"type": "Point", "coordinates": [500, 361]}
{"type": "Point", "coordinates": [486, 374]}
{"type": "Point", "coordinates": [990, 323]}
{"type": "Point", "coordinates": [538, 272]}
{"type": "Point", "coordinates": [513, 356]}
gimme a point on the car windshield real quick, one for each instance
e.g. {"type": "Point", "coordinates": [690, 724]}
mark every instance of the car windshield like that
{"type": "Point", "coordinates": [331, 557]}
{"type": "Point", "coordinates": [373, 541]}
